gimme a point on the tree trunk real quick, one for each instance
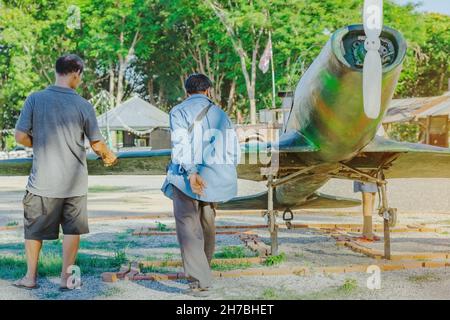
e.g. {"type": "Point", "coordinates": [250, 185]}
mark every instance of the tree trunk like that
{"type": "Point", "coordinates": [161, 95]}
{"type": "Point", "coordinates": [231, 105]}
{"type": "Point", "coordinates": [252, 110]}
{"type": "Point", "coordinates": [182, 79]}
{"type": "Point", "coordinates": [238, 116]}
{"type": "Point", "coordinates": [111, 86]}
{"type": "Point", "coordinates": [441, 79]}
{"type": "Point", "coordinates": [120, 79]}
{"type": "Point", "coordinates": [250, 80]}
{"type": "Point", "coordinates": [2, 143]}
{"type": "Point", "coordinates": [252, 96]}
{"type": "Point", "coordinates": [150, 88]}
{"type": "Point", "coordinates": [123, 64]}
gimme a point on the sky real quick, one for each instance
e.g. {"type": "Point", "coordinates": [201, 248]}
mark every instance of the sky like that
{"type": "Point", "coordinates": [440, 6]}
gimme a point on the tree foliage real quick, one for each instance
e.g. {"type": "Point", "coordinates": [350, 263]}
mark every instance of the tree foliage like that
{"type": "Point", "coordinates": [148, 47]}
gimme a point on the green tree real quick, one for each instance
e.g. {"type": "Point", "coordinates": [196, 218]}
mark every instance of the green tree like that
{"type": "Point", "coordinates": [115, 34]}
{"type": "Point", "coordinates": [29, 41]}
{"type": "Point", "coordinates": [150, 46]}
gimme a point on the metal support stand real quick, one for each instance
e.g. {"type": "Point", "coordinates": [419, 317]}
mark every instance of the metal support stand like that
{"type": "Point", "coordinates": [272, 218]}
{"type": "Point", "coordinates": [385, 215]}
{"type": "Point", "coordinates": [270, 212]}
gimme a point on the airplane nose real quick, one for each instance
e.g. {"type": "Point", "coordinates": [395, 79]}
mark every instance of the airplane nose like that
{"type": "Point", "coordinates": [354, 49]}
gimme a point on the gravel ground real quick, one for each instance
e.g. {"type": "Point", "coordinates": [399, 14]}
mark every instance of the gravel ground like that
{"type": "Point", "coordinates": [418, 201]}
{"type": "Point", "coordinates": [408, 285]}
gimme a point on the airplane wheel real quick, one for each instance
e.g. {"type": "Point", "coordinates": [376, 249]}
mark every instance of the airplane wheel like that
{"type": "Point", "coordinates": [288, 216]}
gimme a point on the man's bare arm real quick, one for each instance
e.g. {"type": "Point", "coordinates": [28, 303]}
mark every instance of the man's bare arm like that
{"type": "Point", "coordinates": [23, 138]}
{"type": "Point", "coordinates": [101, 149]}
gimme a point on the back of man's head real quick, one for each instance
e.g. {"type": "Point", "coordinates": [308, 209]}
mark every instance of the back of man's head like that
{"type": "Point", "coordinates": [197, 83]}
{"type": "Point", "coordinates": [69, 63]}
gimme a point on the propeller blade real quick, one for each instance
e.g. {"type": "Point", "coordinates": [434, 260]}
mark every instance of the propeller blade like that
{"type": "Point", "coordinates": [373, 18]}
{"type": "Point", "coordinates": [372, 77]}
{"type": "Point", "coordinates": [372, 69]}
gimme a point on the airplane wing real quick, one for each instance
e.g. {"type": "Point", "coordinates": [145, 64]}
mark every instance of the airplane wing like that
{"type": "Point", "coordinates": [154, 162]}
{"type": "Point", "coordinates": [151, 162]}
{"type": "Point", "coordinates": [256, 155]}
{"type": "Point", "coordinates": [403, 160]}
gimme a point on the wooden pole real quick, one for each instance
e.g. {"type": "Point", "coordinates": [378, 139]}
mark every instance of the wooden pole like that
{"type": "Point", "coordinates": [273, 70]}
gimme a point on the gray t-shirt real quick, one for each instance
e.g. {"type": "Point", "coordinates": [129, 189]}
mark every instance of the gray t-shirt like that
{"type": "Point", "coordinates": [58, 119]}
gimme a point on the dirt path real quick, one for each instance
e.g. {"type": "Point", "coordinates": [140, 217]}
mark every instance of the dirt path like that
{"type": "Point", "coordinates": [111, 242]}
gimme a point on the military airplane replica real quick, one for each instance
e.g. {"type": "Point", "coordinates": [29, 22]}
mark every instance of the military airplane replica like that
{"type": "Point", "coordinates": [330, 132]}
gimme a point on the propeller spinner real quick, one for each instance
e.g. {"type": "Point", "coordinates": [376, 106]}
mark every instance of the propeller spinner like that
{"type": "Point", "coordinates": [372, 69]}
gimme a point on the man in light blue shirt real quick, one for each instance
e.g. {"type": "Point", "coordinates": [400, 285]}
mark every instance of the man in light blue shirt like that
{"type": "Point", "coordinates": [202, 172]}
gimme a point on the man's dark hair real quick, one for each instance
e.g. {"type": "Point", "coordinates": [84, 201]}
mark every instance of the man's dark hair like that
{"type": "Point", "coordinates": [197, 82]}
{"type": "Point", "coordinates": [69, 63]}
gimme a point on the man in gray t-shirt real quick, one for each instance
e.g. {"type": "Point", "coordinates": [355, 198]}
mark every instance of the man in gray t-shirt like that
{"type": "Point", "coordinates": [55, 122]}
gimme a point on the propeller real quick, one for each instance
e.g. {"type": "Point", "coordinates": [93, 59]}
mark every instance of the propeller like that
{"type": "Point", "coordinates": [372, 68]}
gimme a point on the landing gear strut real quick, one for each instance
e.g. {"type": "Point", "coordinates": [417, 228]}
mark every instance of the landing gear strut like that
{"type": "Point", "coordinates": [388, 214]}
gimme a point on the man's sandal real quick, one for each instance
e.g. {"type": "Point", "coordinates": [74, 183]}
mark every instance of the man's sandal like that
{"type": "Point", "coordinates": [64, 289]}
{"type": "Point", "coordinates": [21, 285]}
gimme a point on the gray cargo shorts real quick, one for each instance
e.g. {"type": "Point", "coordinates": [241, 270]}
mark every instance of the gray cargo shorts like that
{"type": "Point", "coordinates": [43, 216]}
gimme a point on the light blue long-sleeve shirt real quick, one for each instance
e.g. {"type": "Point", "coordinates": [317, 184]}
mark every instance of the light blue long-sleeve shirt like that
{"type": "Point", "coordinates": [212, 150]}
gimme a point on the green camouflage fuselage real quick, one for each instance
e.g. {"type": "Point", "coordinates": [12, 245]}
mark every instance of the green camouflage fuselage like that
{"type": "Point", "coordinates": [328, 104]}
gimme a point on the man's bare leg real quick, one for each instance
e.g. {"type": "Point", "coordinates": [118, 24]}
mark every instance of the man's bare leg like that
{"type": "Point", "coordinates": [71, 244]}
{"type": "Point", "coordinates": [368, 206]}
{"type": "Point", "coordinates": [32, 250]}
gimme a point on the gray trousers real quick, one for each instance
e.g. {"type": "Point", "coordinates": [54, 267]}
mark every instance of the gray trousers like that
{"type": "Point", "coordinates": [196, 232]}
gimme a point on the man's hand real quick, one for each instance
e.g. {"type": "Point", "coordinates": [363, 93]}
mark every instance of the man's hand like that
{"type": "Point", "coordinates": [197, 183]}
{"type": "Point", "coordinates": [23, 139]}
{"type": "Point", "coordinates": [108, 157]}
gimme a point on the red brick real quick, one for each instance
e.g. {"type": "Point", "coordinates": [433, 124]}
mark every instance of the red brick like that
{"type": "Point", "coordinates": [109, 277]}
{"type": "Point", "coordinates": [391, 267]}
{"type": "Point", "coordinates": [434, 264]}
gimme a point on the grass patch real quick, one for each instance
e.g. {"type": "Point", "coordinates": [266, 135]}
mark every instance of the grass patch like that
{"type": "Point", "coordinates": [153, 269]}
{"type": "Point", "coordinates": [445, 232]}
{"type": "Point", "coordinates": [233, 252]}
{"type": "Point", "coordinates": [424, 278]}
{"type": "Point", "coordinates": [108, 245]}
{"type": "Point", "coordinates": [122, 236]}
{"type": "Point", "coordinates": [230, 266]}
{"type": "Point", "coordinates": [274, 260]}
{"type": "Point", "coordinates": [269, 294]}
{"type": "Point", "coordinates": [12, 246]}
{"type": "Point", "coordinates": [50, 264]}
{"type": "Point", "coordinates": [161, 227]}
{"type": "Point", "coordinates": [112, 292]}
{"type": "Point", "coordinates": [348, 286]}
{"type": "Point", "coordinates": [169, 245]}
{"type": "Point", "coordinates": [167, 257]}
{"type": "Point", "coordinates": [150, 258]}
{"type": "Point", "coordinates": [99, 189]}
{"type": "Point", "coordinates": [55, 246]}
